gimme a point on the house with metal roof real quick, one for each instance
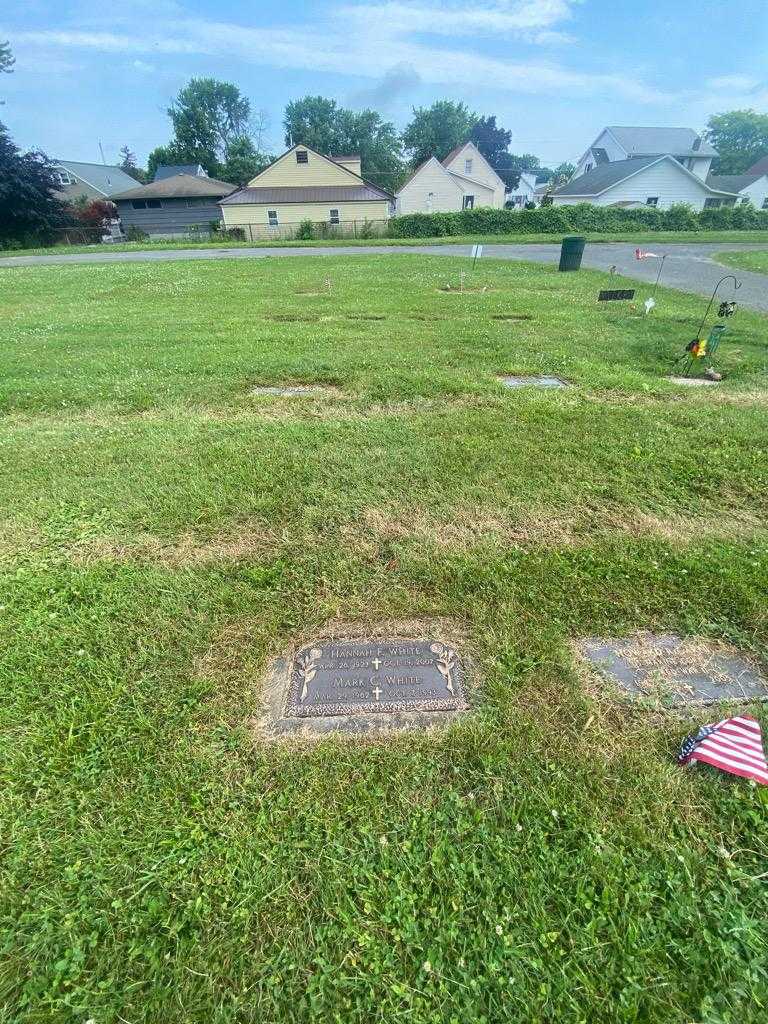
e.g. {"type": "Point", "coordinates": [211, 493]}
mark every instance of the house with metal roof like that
{"type": "Point", "coordinates": [304, 185]}
{"type": "Point", "coordinates": [656, 181]}
{"type": "Point", "coordinates": [93, 181]}
{"type": "Point", "coordinates": [179, 206]}
{"type": "Point", "coordinates": [462, 181]}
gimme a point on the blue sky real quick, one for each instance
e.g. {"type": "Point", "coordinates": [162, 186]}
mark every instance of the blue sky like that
{"type": "Point", "coordinates": [553, 71]}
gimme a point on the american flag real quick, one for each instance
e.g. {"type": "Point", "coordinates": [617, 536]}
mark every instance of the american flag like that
{"type": "Point", "coordinates": [734, 745]}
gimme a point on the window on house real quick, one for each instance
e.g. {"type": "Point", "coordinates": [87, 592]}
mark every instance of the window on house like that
{"type": "Point", "coordinates": [302, 156]}
{"type": "Point", "coordinates": [652, 201]}
{"type": "Point", "coordinates": [430, 200]}
{"type": "Point", "coordinates": [469, 203]}
{"type": "Point", "coordinates": [711, 203]}
{"type": "Point", "coordinates": [139, 204]}
{"type": "Point", "coordinates": [272, 218]}
{"type": "Point", "coordinates": [467, 166]}
{"type": "Point", "coordinates": [153, 204]}
{"type": "Point", "coordinates": [335, 218]}
{"type": "Point", "coordinates": [765, 204]}
{"type": "Point", "coordinates": [65, 177]}
{"type": "Point", "coordinates": [587, 168]}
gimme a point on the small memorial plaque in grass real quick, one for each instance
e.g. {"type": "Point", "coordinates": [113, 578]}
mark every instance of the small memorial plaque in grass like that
{"type": "Point", "coordinates": [676, 671]}
{"type": "Point", "coordinates": [533, 381]}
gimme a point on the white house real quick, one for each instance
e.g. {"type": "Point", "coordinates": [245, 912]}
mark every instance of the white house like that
{"type": "Point", "coordinates": [462, 181]}
{"type": "Point", "coordinates": [658, 181]}
{"type": "Point", "coordinates": [622, 142]}
{"type": "Point", "coordinates": [751, 188]}
{"type": "Point", "coordinates": [525, 190]}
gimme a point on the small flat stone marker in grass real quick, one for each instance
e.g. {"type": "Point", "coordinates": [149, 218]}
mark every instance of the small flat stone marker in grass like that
{"type": "Point", "coordinates": [533, 381]}
{"type": "Point", "coordinates": [676, 671]}
{"type": "Point", "coordinates": [288, 389]}
{"type": "Point", "coordinates": [359, 686]}
{"type": "Point", "coordinates": [692, 382]}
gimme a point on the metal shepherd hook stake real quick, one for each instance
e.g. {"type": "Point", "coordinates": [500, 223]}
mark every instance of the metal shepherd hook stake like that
{"type": "Point", "coordinates": [736, 286]}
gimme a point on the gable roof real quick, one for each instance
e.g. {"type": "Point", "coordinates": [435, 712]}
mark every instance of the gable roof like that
{"type": "Point", "coordinates": [171, 170]}
{"type": "Point", "coordinates": [440, 166]}
{"type": "Point", "coordinates": [642, 141]}
{"type": "Point", "coordinates": [760, 167]}
{"type": "Point", "coordinates": [105, 178]}
{"type": "Point", "coordinates": [731, 182]}
{"type": "Point", "coordinates": [180, 186]}
{"type": "Point", "coordinates": [604, 176]}
{"type": "Point", "coordinates": [300, 145]}
{"type": "Point", "coordinates": [459, 149]}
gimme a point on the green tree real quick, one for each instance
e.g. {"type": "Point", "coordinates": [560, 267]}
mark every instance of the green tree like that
{"type": "Point", "coordinates": [330, 129]}
{"type": "Point", "coordinates": [30, 210]}
{"type": "Point", "coordinates": [7, 60]}
{"type": "Point", "coordinates": [740, 137]}
{"type": "Point", "coordinates": [436, 130]}
{"type": "Point", "coordinates": [244, 162]}
{"type": "Point", "coordinates": [208, 117]}
{"type": "Point", "coordinates": [492, 142]}
{"type": "Point", "coordinates": [129, 165]}
{"type": "Point", "coordinates": [562, 173]}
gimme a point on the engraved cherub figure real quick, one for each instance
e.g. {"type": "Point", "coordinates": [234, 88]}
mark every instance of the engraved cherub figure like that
{"type": "Point", "coordinates": [446, 662]}
{"type": "Point", "coordinates": [307, 668]}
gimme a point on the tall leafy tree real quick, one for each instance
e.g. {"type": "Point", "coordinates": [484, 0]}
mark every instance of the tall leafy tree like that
{"type": "Point", "coordinates": [208, 117]}
{"type": "Point", "coordinates": [740, 137]}
{"type": "Point", "coordinates": [244, 162]}
{"type": "Point", "coordinates": [30, 210]}
{"type": "Point", "coordinates": [492, 142]}
{"type": "Point", "coordinates": [7, 60]}
{"type": "Point", "coordinates": [328, 128]}
{"type": "Point", "coordinates": [436, 130]}
{"type": "Point", "coordinates": [563, 172]}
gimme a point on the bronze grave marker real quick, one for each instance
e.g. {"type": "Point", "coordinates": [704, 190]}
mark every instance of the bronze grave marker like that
{"type": "Point", "coordinates": [374, 677]}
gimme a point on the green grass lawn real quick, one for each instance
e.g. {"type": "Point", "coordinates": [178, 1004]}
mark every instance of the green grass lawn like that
{"type": "Point", "coordinates": [165, 533]}
{"type": "Point", "coordinates": [757, 261]}
{"type": "Point", "coordinates": [629, 235]}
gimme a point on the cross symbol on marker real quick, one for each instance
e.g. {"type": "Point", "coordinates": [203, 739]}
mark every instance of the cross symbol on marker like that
{"type": "Point", "coordinates": [377, 693]}
{"type": "Point", "coordinates": [377, 663]}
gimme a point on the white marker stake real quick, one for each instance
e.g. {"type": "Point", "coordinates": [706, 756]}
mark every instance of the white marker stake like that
{"type": "Point", "coordinates": [477, 252]}
{"type": "Point", "coordinates": [649, 304]}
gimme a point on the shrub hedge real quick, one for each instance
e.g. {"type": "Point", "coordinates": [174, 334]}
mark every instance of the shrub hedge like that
{"type": "Point", "coordinates": [582, 217]}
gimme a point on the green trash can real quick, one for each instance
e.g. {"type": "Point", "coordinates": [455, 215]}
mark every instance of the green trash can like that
{"type": "Point", "coordinates": [571, 252]}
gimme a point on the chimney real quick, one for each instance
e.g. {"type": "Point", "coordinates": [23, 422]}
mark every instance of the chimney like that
{"type": "Point", "coordinates": [350, 161]}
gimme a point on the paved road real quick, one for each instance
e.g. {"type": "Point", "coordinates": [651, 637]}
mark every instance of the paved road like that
{"type": "Point", "coordinates": [689, 266]}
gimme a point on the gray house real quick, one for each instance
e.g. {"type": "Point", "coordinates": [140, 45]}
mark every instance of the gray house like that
{"type": "Point", "coordinates": [179, 206]}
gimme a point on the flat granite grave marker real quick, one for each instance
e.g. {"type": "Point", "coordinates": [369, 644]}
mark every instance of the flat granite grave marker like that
{"type": "Point", "coordinates": [533, 381]}
{"type": "Point", "coordinates": [677, 671]}
{"type": "Point", "coordinates": [364, 685]}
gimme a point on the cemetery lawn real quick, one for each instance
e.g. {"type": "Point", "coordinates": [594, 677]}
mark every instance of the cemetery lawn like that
{"type": "Point", "coordinates": [164, 533]}
{"type": "Point", "coordinates": [756, 261]}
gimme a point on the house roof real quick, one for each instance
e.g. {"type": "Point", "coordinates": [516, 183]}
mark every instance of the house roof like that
{"type": "Point", "coordinates": [344, 156]}
{"type": "Point", "coordinates": [655, 141]}
{"type": "Point", "coordinates": [383, 194]}
{"type": "Point", "coordinates": [171, 170]}
{"type": "Point", "coordinates": [307, 194]}
{"type": "Point", "coordinates": [731, 182]}
{"type": "Point", "coordinates": [105, 178]}
{"type": "Point", "coordinates": [604, 176]}
{"type": "Point", "coordinates": [454, 153]}
{"type": "Point", "coordinates": [761, 167]}
{"type": "Point", "coordinates": [180, 186]}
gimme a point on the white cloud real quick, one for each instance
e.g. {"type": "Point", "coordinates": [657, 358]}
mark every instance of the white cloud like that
{"type": "Point", "coordinates": [367, 40]}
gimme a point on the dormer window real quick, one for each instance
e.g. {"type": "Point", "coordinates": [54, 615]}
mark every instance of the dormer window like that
{"type": "Point", "coordinates": [468, 166]}
{"type": "Point", "coordinates": [302, 156]}
{"type": "Point", "coordinates": [65, 177]}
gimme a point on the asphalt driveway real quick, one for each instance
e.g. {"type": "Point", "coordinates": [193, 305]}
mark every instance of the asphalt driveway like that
{"type": "Point", "coordinates": [689, 266]}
